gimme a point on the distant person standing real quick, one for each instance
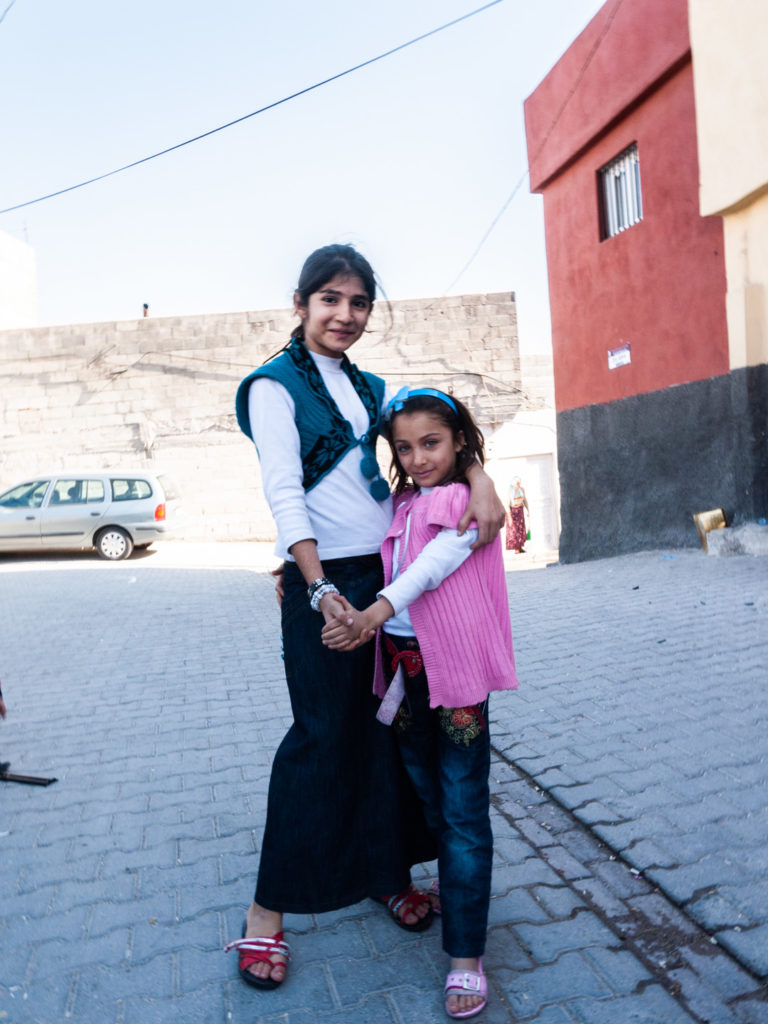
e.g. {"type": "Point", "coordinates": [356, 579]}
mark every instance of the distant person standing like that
{"type": "Point", "coordinates": [517, 507]}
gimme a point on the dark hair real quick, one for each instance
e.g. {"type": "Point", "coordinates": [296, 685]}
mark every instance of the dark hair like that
{"type": "Point", "coordinates": [459, 421]}
{"type": "Point", "coordinates": [328, 262]}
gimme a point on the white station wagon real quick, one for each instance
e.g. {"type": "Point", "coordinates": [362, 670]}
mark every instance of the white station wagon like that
{"type": "Point", "coordinates": [111, 511]}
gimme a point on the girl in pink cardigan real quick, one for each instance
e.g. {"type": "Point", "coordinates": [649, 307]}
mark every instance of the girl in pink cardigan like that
{"type": "Point", "coordinates": [442, 624]}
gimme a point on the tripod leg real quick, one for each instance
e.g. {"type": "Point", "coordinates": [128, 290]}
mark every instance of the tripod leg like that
{"type": "Point", "coordinates": [30, 780]}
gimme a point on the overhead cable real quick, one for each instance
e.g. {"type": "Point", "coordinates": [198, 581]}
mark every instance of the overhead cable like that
{"type": "Point", "coordinates": [540, 147]}
{"type": "Point", "coordinates": [2, 16]}
{"type": "Point", "coordinates": [254, 113]}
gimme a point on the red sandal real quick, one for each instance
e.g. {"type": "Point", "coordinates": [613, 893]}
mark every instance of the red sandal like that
{"type": "Point", "coordinates": [406, 902]}
{"type": "Point", "coordinates": [258, 951]}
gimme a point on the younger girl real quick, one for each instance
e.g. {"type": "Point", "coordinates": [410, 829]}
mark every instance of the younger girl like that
{"type": "Point", "coordinates": [446, 642]}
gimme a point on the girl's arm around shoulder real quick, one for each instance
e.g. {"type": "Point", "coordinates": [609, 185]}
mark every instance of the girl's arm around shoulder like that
{"type": "Point", "coordinates": [484, 507]}
{"type": "Point", "coordinates": [447, 505]}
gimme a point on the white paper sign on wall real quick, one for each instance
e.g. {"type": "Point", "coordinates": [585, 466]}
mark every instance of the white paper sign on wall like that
{"type": "Point", "coordinates": [619, 356]}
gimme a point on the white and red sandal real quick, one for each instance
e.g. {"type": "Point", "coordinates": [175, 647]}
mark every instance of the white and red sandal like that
{"type": "Point", "coordinates": [259, 950]}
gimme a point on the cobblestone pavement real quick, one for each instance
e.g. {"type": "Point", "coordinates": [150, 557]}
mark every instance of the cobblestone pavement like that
{"type": "Point", "coordinates": [629, 801]}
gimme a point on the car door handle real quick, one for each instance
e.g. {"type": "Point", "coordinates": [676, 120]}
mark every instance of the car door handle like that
{"type": "Point", "coordinates": [95, 513]}
{"type": "Point", "coordinates": [31, 518]}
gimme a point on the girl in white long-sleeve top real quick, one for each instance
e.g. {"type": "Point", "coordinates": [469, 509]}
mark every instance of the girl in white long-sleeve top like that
{"type": "Point", "coordinates": [445, 643]}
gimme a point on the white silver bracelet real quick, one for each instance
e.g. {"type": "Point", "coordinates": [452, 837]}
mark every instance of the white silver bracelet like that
{"type": "Point", "coordinates": [315, 584]}
{"type": "Point", "coordinates": [319, 594]}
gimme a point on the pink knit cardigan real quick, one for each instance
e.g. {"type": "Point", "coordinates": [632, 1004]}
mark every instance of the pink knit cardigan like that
{"type": "Point", "coordinates": [463, 625]}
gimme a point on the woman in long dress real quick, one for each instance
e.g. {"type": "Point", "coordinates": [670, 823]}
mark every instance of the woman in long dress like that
{"type": "Point", "coordinates": [517, 507]}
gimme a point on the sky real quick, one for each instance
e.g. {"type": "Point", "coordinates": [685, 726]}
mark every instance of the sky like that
{"type": "Point", "coordinates": [410, 159]}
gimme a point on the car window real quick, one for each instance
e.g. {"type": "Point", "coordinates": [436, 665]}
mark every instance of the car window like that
{"type": "Point", "coordinates": [170, 488]}
{"type": "Point", "coordinates": [67, 492]}
{"type": "Point", "coordinates": [94, 490]}
{"type": "Point", "coordinates": [76, 492]}
{"type": "Point", "coordinates": [28, 495]}
{"type": "Point", "coordinates": [130, 489]}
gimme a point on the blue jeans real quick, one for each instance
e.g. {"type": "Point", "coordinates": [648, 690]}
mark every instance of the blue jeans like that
{"type": "Point", "coordinates": [446, 752]}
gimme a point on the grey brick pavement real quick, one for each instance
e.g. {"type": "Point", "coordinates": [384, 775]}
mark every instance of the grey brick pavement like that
{"type": "Point", "coordinates": [644, 713]}
{"type": "Point", "coordinates": [156, 696]}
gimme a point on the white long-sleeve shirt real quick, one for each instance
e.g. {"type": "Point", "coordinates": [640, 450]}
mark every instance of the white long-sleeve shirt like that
{"type": "Point", "coordinates": [436, 560]}
{"type": "Point", "coordinates": [339, 512]}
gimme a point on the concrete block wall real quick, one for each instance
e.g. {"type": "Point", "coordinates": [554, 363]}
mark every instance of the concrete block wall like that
{"type": "Point", "coordinates": [159, 393]}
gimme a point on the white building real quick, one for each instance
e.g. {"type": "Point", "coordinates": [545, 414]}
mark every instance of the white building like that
{"type": "Point", "coordinates": [18, 283]}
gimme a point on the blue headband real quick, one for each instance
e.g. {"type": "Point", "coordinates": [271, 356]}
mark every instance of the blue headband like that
{"type": "Point", "coordinates": [405, 394]}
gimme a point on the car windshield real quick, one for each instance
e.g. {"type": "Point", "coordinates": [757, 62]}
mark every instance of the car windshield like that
{"type": "Point", "coordinates": [27, 495]}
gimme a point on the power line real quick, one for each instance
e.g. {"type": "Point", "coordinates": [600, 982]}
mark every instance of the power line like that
{"type": "Point", "coordinates": [485, 237]}
{"type": "Point", "coordinates": [537, 154]}
{"type": "Point", "coordinates": [261, 110]}
{"type": "Point", "coordinates": [2, 16]}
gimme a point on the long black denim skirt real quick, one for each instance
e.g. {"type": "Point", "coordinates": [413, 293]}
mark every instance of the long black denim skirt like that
{"type": "Point", "coordinates": [342, 822]}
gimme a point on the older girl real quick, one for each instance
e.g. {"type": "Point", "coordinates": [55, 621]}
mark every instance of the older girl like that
{"type": "Point", "coordinates": [342, 822]}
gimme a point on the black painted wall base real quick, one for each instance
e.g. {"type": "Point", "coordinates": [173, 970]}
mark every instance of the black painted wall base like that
{"type": "Point", "coordinates": [633, 472]}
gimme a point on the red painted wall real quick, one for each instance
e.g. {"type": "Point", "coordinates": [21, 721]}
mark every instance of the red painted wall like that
{"type": "Point", "coordinates": [660, 285]}
{"type": "Point", "coordinates": [627, 47]}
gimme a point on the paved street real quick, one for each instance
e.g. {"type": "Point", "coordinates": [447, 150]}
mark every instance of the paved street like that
{"type": "Point", "coordinates": [629, 792]}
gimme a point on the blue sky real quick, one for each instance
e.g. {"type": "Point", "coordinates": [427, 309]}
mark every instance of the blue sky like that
{"type": "Point", "coordinates": [410, 159]}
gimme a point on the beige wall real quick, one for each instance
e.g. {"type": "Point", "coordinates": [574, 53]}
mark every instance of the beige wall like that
{"type": "Point", "coordinates": [18, 283]}
{"type": "Point", "coordinates": [728, 43]}
{"type": "Point", "coordinates": [159, 393]}
{"type": "Point", "coordinates": [746, 265]}
{"type": "Point", "coordinates": [730, 70]}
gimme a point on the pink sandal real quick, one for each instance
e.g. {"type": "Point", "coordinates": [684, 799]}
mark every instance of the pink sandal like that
{"type": "Point", "coordinates": [258, 951]}
{"type": "Point", "coordinates": [471, 983]}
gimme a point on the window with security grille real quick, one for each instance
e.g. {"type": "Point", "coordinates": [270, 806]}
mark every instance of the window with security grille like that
{"type": "Point", "coordinates": [621, 202]}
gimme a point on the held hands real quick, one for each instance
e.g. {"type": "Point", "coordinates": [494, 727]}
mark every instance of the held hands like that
{"type": "Point", "coordinates": [333, 608]}
{"type": "Point", "coordinates": [345, 628]}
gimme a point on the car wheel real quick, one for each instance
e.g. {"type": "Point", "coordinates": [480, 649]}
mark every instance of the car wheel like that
{"type": "Point", "coordinates": [114, 544]}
